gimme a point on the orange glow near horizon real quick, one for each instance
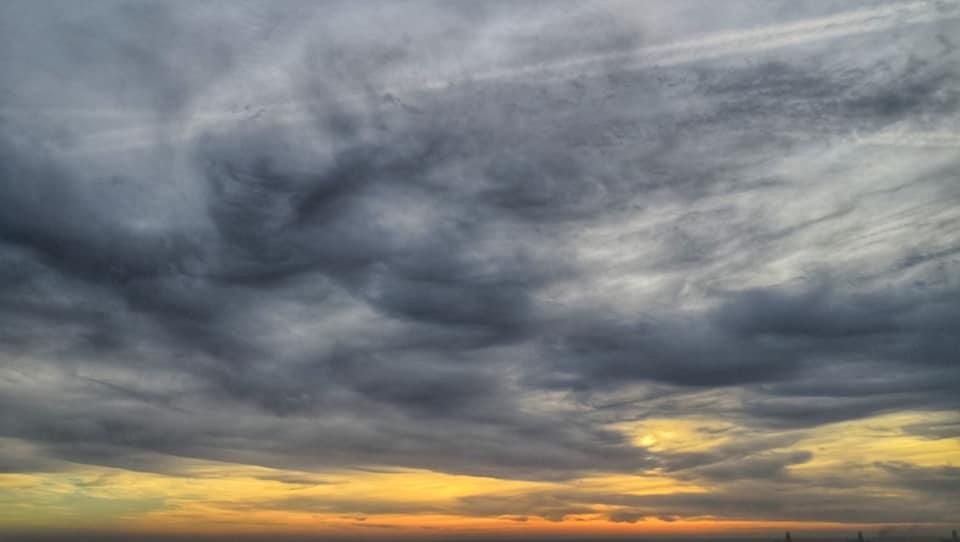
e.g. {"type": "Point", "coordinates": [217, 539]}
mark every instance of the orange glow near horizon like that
{"type": "Point", "coordinates": [212, 497]}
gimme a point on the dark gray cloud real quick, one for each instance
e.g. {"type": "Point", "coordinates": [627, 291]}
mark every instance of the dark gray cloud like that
{"type": "Point", "coordinates": [757, 502]}
{"type": "Point", "coordinates": [311, 235]}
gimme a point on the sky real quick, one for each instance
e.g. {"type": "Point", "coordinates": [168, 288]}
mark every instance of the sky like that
{"type": "Point", "coordinates": [498, 269]}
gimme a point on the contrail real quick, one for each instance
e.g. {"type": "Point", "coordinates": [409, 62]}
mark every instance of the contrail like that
{"type": "Point", "coordinates": [723, 44]}
{"type": "Point", "coordinates": [901, 138]}
{"type": "Point", "coordinates": [705, 47]}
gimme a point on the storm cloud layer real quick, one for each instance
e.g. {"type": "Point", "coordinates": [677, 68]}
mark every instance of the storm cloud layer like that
{"type": "Point", "coordinates": [474, 238]}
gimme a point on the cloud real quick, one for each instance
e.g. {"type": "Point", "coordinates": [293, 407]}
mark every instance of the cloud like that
{"type": "Point", "coordinates": [753, 502]}
{"type": "Point", "coordinates": [936, 480]}
{"type": "Point", "coordinates": [315, 237]}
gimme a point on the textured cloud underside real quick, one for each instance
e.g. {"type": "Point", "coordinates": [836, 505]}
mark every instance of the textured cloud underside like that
{"type": "Point", "coordinates": [484, 239]}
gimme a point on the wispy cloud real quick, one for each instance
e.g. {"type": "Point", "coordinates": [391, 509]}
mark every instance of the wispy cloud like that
{"type": "Point", "coordinates": [492, 250]}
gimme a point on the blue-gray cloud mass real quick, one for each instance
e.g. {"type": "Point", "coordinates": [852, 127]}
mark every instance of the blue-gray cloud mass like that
{"type": "Point", "coordinates": [469, 237]}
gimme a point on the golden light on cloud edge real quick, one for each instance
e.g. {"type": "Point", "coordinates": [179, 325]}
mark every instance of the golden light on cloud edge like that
{"type": "Point", "coordinates": [379, 270]}
{"type": "Point", "coordinates": [214, 497]}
